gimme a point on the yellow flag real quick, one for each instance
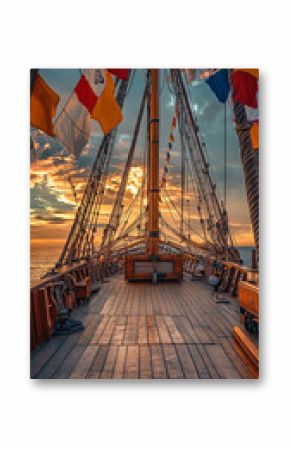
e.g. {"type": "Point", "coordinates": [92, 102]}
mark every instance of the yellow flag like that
{"type": "Point", "coordinates": [255, 135]}
{"type": "Point", "coordinates": [106, 110]}
{"type": "Point", "coordinates": [43, 104]}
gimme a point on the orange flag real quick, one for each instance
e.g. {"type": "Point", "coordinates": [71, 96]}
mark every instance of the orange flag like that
{"type": "Point", "coordinates": [255, 135]}
{"type": "Point", "coordinates": [106, 110]}
{"type": "Point", "coordinates": [43, 104]}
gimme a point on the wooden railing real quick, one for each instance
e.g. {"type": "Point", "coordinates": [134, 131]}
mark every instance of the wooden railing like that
{"type": "Point", "coordinates": [77, 281]}
{"type": "Point", "coordinates": [230, 273]}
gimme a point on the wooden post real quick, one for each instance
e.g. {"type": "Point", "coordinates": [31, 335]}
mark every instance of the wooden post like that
{"type": "Point", "coordinates": [153, 168]}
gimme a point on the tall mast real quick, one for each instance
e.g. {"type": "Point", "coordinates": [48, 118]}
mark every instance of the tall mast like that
{"type": "Point", "coordinates": [153, 166]}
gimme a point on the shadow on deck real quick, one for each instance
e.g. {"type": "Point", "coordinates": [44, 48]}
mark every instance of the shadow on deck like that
{"type": "Point", "coordinates": [145, 331]}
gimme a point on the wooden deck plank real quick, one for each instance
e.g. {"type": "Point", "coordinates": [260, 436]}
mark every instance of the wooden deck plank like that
{"type": "Point", "coordinates": [175, 335]}
{"type": "Point", "coordinates": [222, 362]}
{"type": "Point", "coordinates": [202, 370]}
{"type": "Point", "coordinates": [172, 362]}
{"type": "Point", "coordinates": [162, 330]}
{"type": "Point", "coordinates": [109, 365]}
{"type": "Point", "coordinates": [42, 355]}
{"type": "Point", "coordinates": [132, 362]}
{"type": "Point", "coordinates": [186, 329]}
{"type": "Point", "coordinates": [158, 364]}
{"type": "Point", "coordinates": [58, 357]}
{"type": "Point", "coordinates": [135, 300]}
{"type": "Point", "coordinates": [118, 334]}
{"type": "Point", "coordinates": [168, 330]}
{"type": "Point", "coordinates": [100, 329]}
{"type": "Point", "coordinates": [120, 363]}
{"type": "Point", "coordinates": [152, 331]}
{"type": "Point", "coordinates": [90, 328]}
{"type": "Point", "coordinates": [142, 330]}
{"type": "Point", "coordinates": [208, 362]}
{"type": "Point", "coordinates": [187, 364]}
{"type": "Point", "coordinates": [142, 305]}
{"type": "Point", "coordinates": [105, 337]}
{"type": "Point", "coordinates": [84, 364]}
{"type": "Point", "coordinates": [145, 362]}
{"type": "Point", "coordinates": [131, 331]}
{"type": "Point", "coordinates": [97, 366]}
{"type": "Point", "coordinates": [65, 369]}
{"type": "Point", "coordinates": [239, 364]}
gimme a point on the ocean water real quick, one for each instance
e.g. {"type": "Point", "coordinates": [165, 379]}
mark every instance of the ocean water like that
{"type": "Point", "coordinates": [246, 255]}
{"type": "Point", "coordinates": [43, 256]}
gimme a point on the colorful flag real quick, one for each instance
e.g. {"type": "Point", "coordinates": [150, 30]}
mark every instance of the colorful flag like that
{"type": "Point", "coordinates": [43, 104]}
{"type": "Point", "coordinates": [96, 79]}
{"type": "Point", "coordinates": [72, 127]}
{"type": "Point", "coordinates": [122, 74]}
{"type": "Point", "coordinates": [106, 110]}
{"type": "Point", "coordinates": [86, 94]}
{"type": "Point", "coordinates": [245, 88]}
{"type": "Point", "coordinates": [219, 84]}
{"type": "Point", "coordinates": [253, 72]}
{"type": "Point", "coordinates": [255, 135]}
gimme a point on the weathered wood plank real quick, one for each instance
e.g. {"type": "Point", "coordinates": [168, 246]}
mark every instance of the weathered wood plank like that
{"type": "Point", "coordinates": [97, 366]}
{"type": "Point", "coordinates": [69, 363]}
{"type": "Point", "coordinates": [162, 330]}
{"type": "Point", "coordinates": [58, 357]}
{"type": "Point", "coordinates": [152, 332]}
{"type": "Point", "coordinates": [221, 362]}
{"type": "Point", "coordinates": [132, 362]}
{"type": "Point", "coordinates": [84, 364]}
{"type": "Point", "coordinates": [109, 365]}
{"type": "Point", "coordinates": [100, 329]}
{"type": "Point", "coordinates": [42, 355]}
{"type": "Point", "coordinates": [108, 331]}
{"type": "Point", "coordinates": [118, 334]}
{"type": "Point", "coordinates": [120, 363]}
{"type": "Point", "coordinates": [239, 364]}
{"type": "Point", "coordinates": [145, 362]}
{"type": "Point", "coordinates": [131, 331]}
{"type": "Point", "coordinates": [187, 364]}
{"type": "Point", "coordinates": [203, 372]}
{"type": "Point", "coordinates": [158, 365]}
{"type": "Point", "coordinates": [142, 330]}
{"type": "Point", "coordinates": [172, 362]}
{"type": "Point", "coordinates": [175, 335]}
{"type": "Point", "coordinates": [210, 366]}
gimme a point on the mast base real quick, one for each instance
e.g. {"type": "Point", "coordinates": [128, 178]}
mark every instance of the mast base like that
{"type": "Point", "coordinates": [164, 267]}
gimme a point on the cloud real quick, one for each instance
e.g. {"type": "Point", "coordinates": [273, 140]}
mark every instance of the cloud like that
{"type": "Point", "coordinates": [52, 200]}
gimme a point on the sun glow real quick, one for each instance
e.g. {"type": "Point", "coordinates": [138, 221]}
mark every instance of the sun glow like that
{"type": "Point", "coordinates": [135, 179]}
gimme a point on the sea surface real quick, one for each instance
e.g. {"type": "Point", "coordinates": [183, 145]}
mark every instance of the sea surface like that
{"type": "Point", "coordinates": [44, 255]}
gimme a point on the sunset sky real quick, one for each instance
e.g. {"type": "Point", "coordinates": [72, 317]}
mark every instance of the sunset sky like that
{"type": "Point", "coordinates": [52, 202]}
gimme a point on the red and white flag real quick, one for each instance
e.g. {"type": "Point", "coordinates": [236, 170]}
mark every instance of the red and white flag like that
{"type": "Point", "coordinates": [72, 127]}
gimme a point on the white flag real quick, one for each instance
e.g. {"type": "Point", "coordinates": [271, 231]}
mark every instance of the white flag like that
{"type": "Point", "coordinates": [72, 127]}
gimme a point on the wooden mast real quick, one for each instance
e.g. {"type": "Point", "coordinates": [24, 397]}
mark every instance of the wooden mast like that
{"type": "Point", "coordinates": [152, 265]}
{"type": "Point", "coordinates": [153, 167]}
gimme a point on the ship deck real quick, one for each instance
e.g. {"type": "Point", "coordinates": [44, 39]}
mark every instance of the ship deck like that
{"type": "Point", "coordinates": [145, 331]}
